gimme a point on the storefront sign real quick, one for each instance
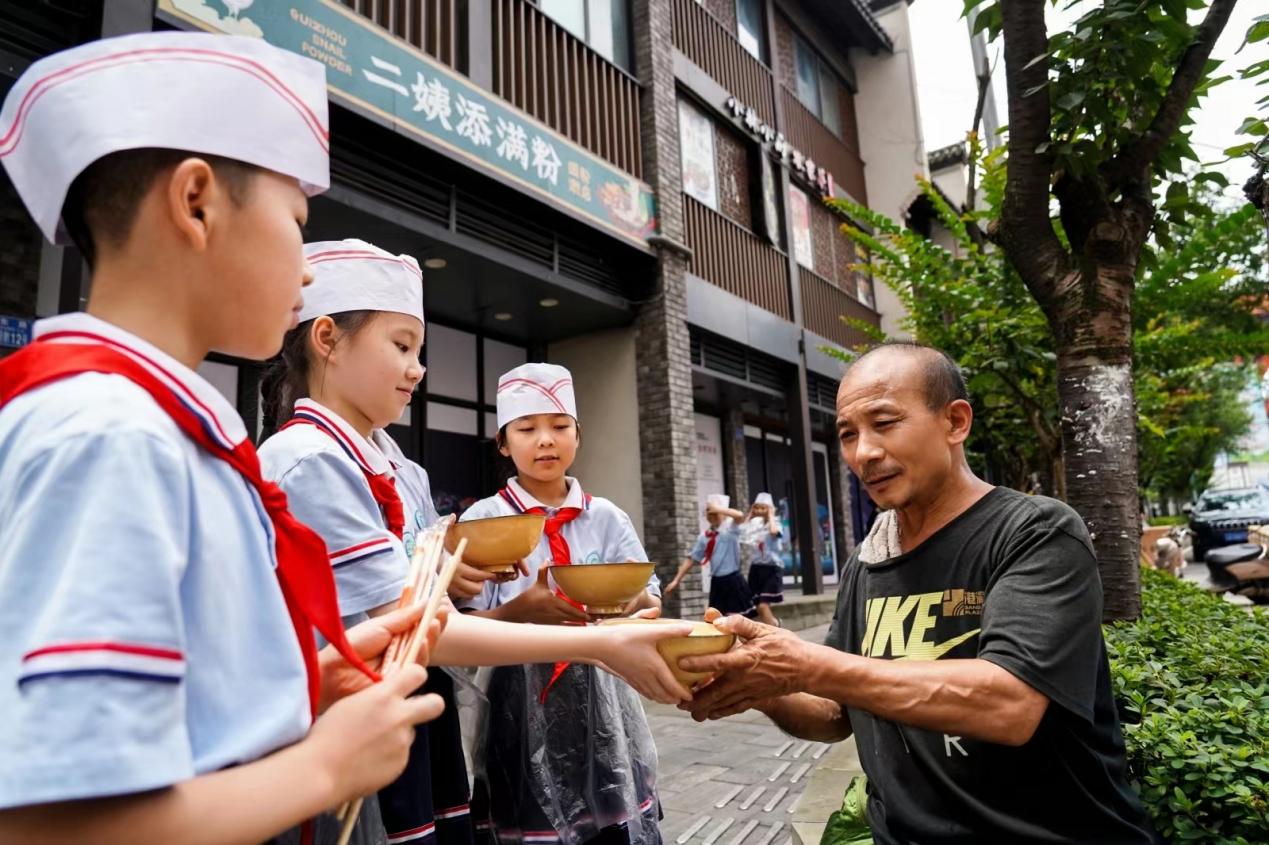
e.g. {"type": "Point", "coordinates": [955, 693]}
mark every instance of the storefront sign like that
{"type": "Point", "coordinates": [14, 332]}
{"type": "Point", "coordinates": [372, 71]}
{"type": "Point", "coordinates": [800, 164]}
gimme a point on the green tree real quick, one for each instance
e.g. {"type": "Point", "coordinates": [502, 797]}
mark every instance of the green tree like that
{"type": "Point", "coordinates": [970, 303]}
{"type": "Point", "coordinates": [1195, 317]}
{"type": "Point", "coordinates": [1098, 121]}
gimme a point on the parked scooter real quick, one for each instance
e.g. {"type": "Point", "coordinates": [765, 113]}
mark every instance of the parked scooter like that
{"type": "Point", "coordinates": [1241, 569]}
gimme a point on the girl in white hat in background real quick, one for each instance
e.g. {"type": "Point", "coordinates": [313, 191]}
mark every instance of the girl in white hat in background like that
{"type": "Point", "coordinates": [763, 533]}
{"type": "Point", "coordinates": [718, 548]}
{"type": "Point", "coordinates": [346, 372]}
{"type": "Point", "coordinates": [566, 755]}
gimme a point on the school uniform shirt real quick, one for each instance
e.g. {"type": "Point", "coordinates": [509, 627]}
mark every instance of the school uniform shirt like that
{"type": "Point", "coordinates": [143, 636]}
{"type": "Point", "coordinates": [321, 465]}
{"type": "Point", "coordinates": [414, 486]}
{"type": "Point", "coordinates": [769, 548]}
{"type": "Point", "coordinates": [602, 533]}
{"type": "Point", "coordinates": [725, 558]}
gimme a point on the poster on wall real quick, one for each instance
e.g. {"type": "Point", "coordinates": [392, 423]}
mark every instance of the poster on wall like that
{"type": "Point", "coordinates": [696, 140]}
{"type": "Point", "coordinates": [800, 212]}
{"type": "Point", "coordinates": [709, 470]}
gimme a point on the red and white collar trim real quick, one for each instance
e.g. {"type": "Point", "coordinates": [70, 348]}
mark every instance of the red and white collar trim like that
{"type": "Point", "coordinates": [366, 454]}
{"type": "Point", "coordinates": [219, 417]}
{"type": "Point", "coordinates": [575, 498]}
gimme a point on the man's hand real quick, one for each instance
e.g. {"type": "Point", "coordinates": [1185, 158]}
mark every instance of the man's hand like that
{"type": "Point", "coordinates": [769, 663]}
{"type": "Point", "coordinates": [540, 604]}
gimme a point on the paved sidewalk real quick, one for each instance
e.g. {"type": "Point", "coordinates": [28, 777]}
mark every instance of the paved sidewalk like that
{"type": "Point", "coordinates": [741, 781]}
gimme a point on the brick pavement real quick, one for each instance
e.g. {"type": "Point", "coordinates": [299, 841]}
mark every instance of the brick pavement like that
{"type": "Point", "coordinates": [754, 771]}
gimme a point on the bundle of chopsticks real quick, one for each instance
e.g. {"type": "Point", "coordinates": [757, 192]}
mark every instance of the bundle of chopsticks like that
{"type": "Point", "coordinates": [426, 585]}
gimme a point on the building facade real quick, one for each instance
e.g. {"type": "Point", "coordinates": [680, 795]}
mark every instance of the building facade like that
{"type": "Point", "coordinates": [630, 188]}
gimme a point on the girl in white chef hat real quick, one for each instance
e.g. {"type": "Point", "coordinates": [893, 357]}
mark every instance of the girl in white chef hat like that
{"type": "Point", "coordinates": [566, 755]}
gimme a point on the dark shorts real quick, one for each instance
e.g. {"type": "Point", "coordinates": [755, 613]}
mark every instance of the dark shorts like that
{"type": "Point", "coordinates": [730, 594]}
{"type": "Point", "coordinates": [766, 582]}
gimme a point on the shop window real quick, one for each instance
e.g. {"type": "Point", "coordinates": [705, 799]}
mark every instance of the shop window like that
{"type": "Point", "coordinates": [750, 28]}
{"type": "Point", "coordinates": [462, 389]}
{"type": "Point", "coordinates": [696, 145]}
{"type": "Point", "coordinates": [807, 67]}
{"type": "Point", "coordinates": [817, 86]}
{"type": "Point", "coordinates": [603, 24]}
{"type": "Point", "coordinates": [452, 373]}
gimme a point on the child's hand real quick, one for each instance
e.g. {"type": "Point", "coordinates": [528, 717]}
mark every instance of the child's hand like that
{"type": "Point", "coordinates": [368, 639]}
{"type": "Point", "coordinates": [469, 581]}
{"type": "Point", "coordinates": [670, 587]}
{"type": "Point", "coordinates": [364, 740]}
{"type": "Point", "coordinates": [630, 652]}
{"type": "Point", "coordinates": [539, 604]}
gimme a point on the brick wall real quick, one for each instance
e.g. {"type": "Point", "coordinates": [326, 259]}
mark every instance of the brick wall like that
{"type": "Point", "coordinates": [724, 10]}
{"type": "Point", "coordinates": [667, 432]}
{"type": "Point", "coordinates": [785, 68]}
{"type": "Point", "coordinates": [823, 235]}
{"type": "Point", "coordinates": [732, 166]}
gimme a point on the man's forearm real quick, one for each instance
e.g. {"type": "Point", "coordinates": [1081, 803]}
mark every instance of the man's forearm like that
{"type": "Point", "coordinates": [971, 698]}
{"type": "Point", "coordinates": [808, 717]}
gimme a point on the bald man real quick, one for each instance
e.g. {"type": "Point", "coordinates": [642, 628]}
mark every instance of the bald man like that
{"type": "Point", "coordinates": [966, 653]}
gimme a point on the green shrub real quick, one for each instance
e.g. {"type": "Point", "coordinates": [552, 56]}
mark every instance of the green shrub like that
{"type": "Point", "coordinates": [1178, 519]}
{"type": "Point", "coordinates": [1193, 673]}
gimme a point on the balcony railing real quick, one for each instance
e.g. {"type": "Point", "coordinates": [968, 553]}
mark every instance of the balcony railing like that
{"type": "Point", "coordinates": [437, 27]}
{"type": "Point", "coordinates": [806, 133]}
{"type": "Point", "coordinates": [733, 258]}
{"type": "Point", "coordinates": [702, 38]}
{"type": "Point", "coordinates": [823, 306]}
{"type": "Point", "coordinates": [541, 68]}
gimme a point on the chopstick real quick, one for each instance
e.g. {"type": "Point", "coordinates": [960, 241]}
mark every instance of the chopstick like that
{"type": "Point", "coordinates": [423, 584]}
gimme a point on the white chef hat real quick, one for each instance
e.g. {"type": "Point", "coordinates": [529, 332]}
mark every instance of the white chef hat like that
{"type": "Point", "coordinates": [352, 275]}
{"type": "Point", "coordinates": [764, 499]}
{"type": "Point", "coordinates": [222, 95]}
{"type": "Point", "coordinates": [718, 501]}
{"type": "Point", "coordinates": [535, 389]}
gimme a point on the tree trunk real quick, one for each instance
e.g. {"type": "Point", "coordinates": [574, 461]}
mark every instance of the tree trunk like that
{"type": "Point", "coordinates": [1093, 323]}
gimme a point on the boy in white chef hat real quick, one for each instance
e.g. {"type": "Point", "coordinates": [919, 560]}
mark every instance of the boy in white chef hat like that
{"type": "Point", "coordinates": [158, 602]}
{"type": "Point", "coordinates": [718, 548]}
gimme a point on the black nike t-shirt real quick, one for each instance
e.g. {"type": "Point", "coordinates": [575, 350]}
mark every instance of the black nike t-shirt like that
{"type": "Point", "coordinates": [1012, 580]}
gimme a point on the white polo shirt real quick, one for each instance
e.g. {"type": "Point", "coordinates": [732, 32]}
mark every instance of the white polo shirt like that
{"type": "Point", "coordinates": [321, 466]}
{"type": "Point", "coordinates": [414, 486]}
{"type": "Point", "coordinates": [143, 636]}
{"type": "Point", "coordinates": [602, 533]}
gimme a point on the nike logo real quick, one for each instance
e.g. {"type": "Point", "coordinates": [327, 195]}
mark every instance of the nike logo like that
{"type": "Point", "coordinates": [933, 651]}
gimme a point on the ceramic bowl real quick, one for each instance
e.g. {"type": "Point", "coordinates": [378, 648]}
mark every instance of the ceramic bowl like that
{"type": "Point", "coordinates": [704, 639]}
{"type": "Point", "coordinates": [605, 588]}
{"type": "Point", "coordinates": [498, 542]}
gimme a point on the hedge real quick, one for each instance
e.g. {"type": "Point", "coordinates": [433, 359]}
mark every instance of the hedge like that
{"type": "Point", "coordinates": [1192, 680]}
